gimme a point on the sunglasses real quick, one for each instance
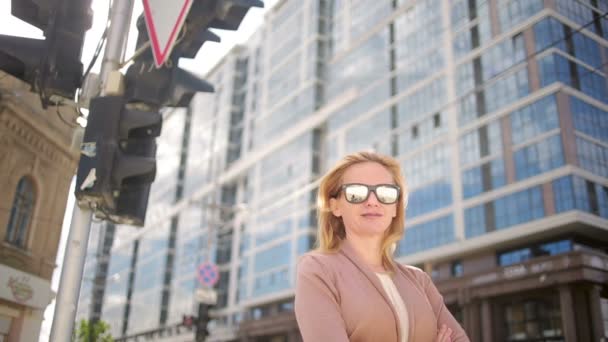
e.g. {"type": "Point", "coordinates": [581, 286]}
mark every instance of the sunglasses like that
{"type": "Point", "coordinates": [359, 193]}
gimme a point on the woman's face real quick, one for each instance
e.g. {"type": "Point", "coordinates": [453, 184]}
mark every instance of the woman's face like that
{"type": "Point", "coordinates": [371, 217]}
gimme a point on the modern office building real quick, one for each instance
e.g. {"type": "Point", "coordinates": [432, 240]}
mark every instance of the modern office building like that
{"type": "Point", "coordinates": [498, 112]}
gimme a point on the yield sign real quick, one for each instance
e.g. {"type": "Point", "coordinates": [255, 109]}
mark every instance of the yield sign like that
{"type": "Point", "coordinates": [164, 19]}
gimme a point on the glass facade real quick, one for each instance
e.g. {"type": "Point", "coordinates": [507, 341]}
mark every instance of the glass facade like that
{"type": "Point", "coordinates": [577, 193]}
{"type": "Point", "coordinates": [496, 110]}
{"type": "Point", "coordinates": [523, 254]}
{"type": "Point", "coordinates": [430, 234]}
{"type": "Point", "coordinates": [533, 319]}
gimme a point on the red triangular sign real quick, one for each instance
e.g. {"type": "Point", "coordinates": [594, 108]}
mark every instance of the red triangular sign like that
{"type": "Point", "coordinates": [164, 19]}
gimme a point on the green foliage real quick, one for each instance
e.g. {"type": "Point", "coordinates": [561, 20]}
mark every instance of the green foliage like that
{"type": "Point", "coordinates": [99, 331]}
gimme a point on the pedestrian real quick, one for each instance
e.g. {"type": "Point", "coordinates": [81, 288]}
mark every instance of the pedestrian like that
{"type": "Point", "coordinates": [350, 288]}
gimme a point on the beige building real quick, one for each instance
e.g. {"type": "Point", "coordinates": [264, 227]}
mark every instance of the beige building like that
{"type": "Point", "coordinates": [37, 163]}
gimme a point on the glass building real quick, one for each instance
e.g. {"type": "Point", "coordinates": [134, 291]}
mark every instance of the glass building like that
{"type": "Point", "coordinates": [498, 112]}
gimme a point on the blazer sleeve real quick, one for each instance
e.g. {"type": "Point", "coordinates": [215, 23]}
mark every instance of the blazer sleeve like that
{"type": "Point", "coordinates": [441, 311]}
{"type": "Point", "coordinates": [317, 306]}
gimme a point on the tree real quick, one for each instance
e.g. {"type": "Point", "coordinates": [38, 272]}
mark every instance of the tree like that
{"type": "Point", "coordinates": [98, 331]}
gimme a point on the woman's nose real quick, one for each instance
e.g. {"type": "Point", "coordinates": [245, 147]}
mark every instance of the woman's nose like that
{"type": "Point", "coordinates": [372, 199]}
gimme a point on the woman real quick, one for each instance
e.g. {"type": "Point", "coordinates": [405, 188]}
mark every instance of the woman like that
{"type": "Point", "coordinates": [350, 288]}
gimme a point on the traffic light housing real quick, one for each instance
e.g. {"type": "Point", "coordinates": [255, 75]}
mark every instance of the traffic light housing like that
{"type": "Point", "coordinates": [51, 66]}
{"type": "Point", "coordinates": [118, 163]}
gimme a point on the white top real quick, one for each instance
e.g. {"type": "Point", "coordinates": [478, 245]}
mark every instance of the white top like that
{"type": "Point", "coordinates": [397, 301]}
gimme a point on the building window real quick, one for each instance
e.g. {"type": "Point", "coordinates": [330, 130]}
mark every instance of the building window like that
{"type": "Point", "coordinates": [592, 156]}
{"type": "Point", "coordinates": [435, 275]}
{"type": "Point", "coordinates": [436, 120]}
{"type": "Point", "coordinates": [286, 306]}
{"type": "Point", "coordinates": [427, 235]}
{"type": "Point", "coordinates": [517, 208]}
{"type": "Point", "coordinates": [21, 213]}
{"type": "Point", "coordinates": [573, 192]}
{"type": "Point", "coordinates": [429, 198]}
{"type": "Point", "coordinates": [488, 176]}
{"type": "Point", "coordinates": [538, 158]}
{"type": "Point", "coordinates": [530, 121]}
{"type": "Point", "coordinates": [457, 270]}
{"type": "Point", "coordinates": [260, 312]}
{"type": "Point", "coordinates": [533, 320]}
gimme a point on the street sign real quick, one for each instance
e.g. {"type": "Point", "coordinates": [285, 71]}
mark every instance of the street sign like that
{"type": "Point", "coordinates": [206, 296]}
{"type": "Point", "coordinates": [208, 274]}
{"type": "Point", "coordinates": [164, 20]}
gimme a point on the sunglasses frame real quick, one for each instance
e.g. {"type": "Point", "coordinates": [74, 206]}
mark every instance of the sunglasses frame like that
{"type": "Point", "coordinates": [370, 189]}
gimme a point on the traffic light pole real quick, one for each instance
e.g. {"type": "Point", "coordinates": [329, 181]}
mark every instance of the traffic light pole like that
{"type": "Point", "coordinates": [76, 247]}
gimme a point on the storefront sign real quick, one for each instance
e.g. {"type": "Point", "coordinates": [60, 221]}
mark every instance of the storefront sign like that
{"type": "Point", "coordinates": [23, 288]}
{"type": "Point", "coordinates": [531, 268]}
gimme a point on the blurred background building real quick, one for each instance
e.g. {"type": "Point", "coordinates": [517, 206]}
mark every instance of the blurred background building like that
{"type": "Point", "coordinates": [498, 112]}
{"type": "Point", "coordinates": [37, 161]}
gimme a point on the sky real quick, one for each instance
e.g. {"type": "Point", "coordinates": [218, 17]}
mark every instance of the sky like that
{"type": "Point", "coordinates": [206, 59]}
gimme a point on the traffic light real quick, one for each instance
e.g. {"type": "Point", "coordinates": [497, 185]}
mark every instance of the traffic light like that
{"type": "Point", "coordinates": [118, 163]}
{"type": "Point", "coordinates": [51, 66]}
{"type": "Point", "coordinates": [188, 321]}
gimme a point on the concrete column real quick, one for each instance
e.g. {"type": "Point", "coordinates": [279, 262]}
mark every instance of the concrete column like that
{"type": "Point", "coordinates": [507, 152]}
{"type": "Point", "coordinates": [532, 66]}
{"type": "Point", "coordinates": [584, 330]}
{"type": "Point", "coordinates": [471, 321]}
{"type": "Point", "coordinates": [494, 18]}
{"type": "Point", "coordinates": [595, 310]}
{"type": "Point", "coordinates": [486, 321]}
{"type": "Point", "coordinates": [604, 56]}
{"type": "Point", "coordinates": [428, 268]}
{"type": "Point", "coordinates": [452, 123]}
{"type": "Point", "coordinates": [568, 321]}
{"type": "Point", "coordinates": [31, 326]}
{"type": "Point", "coordinates": [566, 125]}
{"type": "Point", "coordinates": [293, 336]}
{"type": "Point", "coordinates": [14, 333]}
{"type": "Point", "coordinates": [548, 199]}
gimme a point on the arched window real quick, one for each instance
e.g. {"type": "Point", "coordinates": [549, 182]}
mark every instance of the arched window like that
{"type": "Point", "coordinates": [21, 213]}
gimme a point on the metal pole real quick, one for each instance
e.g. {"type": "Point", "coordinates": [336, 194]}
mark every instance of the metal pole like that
{"type": "Point", "coordinates": [78, 239]}
{"type": "Point", "coordinates": [71, 275]}
{"type": "Point", "coordinates": [117, 39]}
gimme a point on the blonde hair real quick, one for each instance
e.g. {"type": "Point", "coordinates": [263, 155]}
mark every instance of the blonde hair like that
{"type": "Point", "coordinates": [331, 230]}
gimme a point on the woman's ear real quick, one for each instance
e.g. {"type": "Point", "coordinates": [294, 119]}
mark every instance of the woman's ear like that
{"type": "Point", "coordinates": [333, 206]}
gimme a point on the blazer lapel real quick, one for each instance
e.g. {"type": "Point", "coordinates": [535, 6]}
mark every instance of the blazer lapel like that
{"type": "Point", "coordinates": [351, 254]}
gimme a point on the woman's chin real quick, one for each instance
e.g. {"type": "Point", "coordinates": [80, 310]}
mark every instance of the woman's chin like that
{"type": "Point", "coordinates": [374, 231]}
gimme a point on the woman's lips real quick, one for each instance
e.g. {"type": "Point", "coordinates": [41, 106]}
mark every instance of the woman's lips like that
{"type": "Point", "coordinates": [372, 215]}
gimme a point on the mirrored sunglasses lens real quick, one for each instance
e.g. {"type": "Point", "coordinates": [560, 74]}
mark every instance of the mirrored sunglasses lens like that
{"type": "Point", "coordinates": [355, 193]}
{"type": "Point", "coordinates": [387, 194]}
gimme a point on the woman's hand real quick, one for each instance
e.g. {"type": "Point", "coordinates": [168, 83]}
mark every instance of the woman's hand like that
{"type": "Point", "coordinates": [444, 334]}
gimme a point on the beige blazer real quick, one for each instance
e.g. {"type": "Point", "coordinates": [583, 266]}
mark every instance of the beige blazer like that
{"type": "Point", "coordinates": [339, 298]}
